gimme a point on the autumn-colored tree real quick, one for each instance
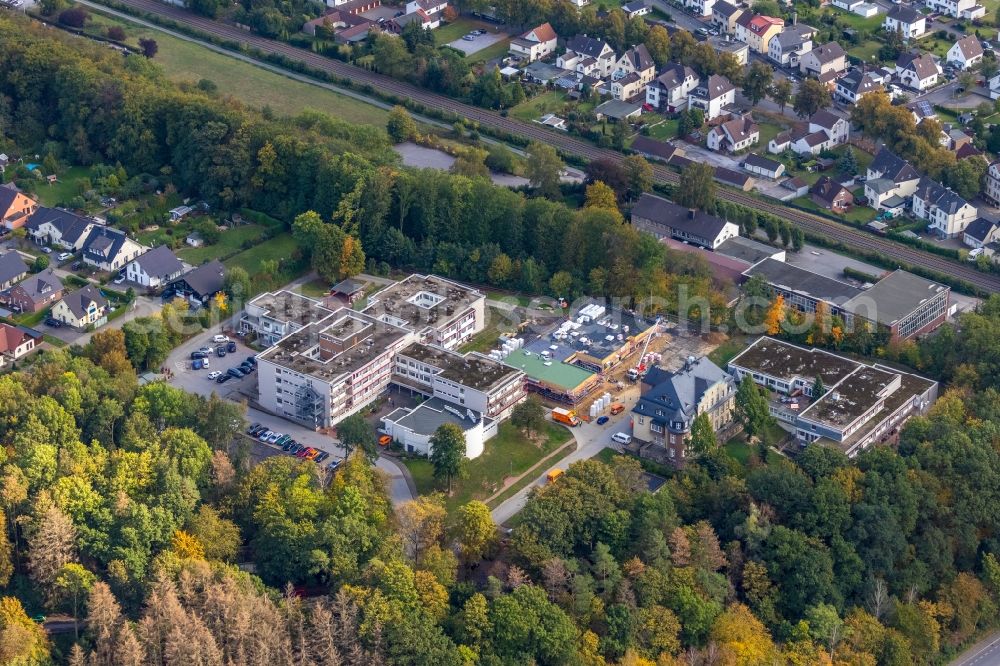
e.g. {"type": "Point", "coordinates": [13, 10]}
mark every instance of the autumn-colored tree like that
{"type": "Point", "coordinates": [73, 582]}
{"type": "Point", "coordinates": [775, 315]}
{"type": "Point", "coordinates": [421, 523]}
{"type": "Point", "coordinates": [52, 546]}
{"type": "Point", "coordinates": [821, 325]}
{"type": "Point", "coordinates": [475, 530]}
{"type": "Point", "coordinates": [186, 546]}
{"type": "Point", "coordinates": [600, 195]}
{"type": "Point", "coordinates": [22, 641]}
{"type": "Point", "coordinates": [743, 640]}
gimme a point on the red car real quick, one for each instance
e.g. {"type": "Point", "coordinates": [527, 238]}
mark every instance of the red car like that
{"type": "Point", "coordinates": [304, 452]}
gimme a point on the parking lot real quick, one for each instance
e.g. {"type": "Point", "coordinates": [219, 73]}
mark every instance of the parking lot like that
{"type": "Point", "coordinates": [477, 43]}
{"type": "Point", "coordinates": [245, 389]}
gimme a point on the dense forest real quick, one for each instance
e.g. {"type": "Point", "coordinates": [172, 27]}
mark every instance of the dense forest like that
{"type": "Point", "coordinates": [88, 105]}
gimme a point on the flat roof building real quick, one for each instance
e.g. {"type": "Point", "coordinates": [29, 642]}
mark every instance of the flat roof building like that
{"type": "Point", "coordinates": [860, 404]}
{"type": "Point", "coordinates": [414, 428]}
{"type": "Point", "coordinates": [440, 311]}
{"type": "Point", "coordinates": [273, 315]}
{"type": "Point", "coordinates": [554, 379]}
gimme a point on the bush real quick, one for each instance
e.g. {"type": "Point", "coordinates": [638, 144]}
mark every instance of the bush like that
{"type": "Point", "coordinates": [116, 33]}
{"type": "Point", "coordinates": [40, 263]}
{"type": "Point", "coordinates": [74, 17]}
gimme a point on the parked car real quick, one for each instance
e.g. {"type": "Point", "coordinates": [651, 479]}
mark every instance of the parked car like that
{"type": "Point", "coordinates": [198, 354]}
{"type": "Point", "coordinates": [312, 455]}
{"type": "Point", "coordinates": [252, 359]}
{"type": "Point", "coordinates": [284, 439]}
{"type": "Point", "coordinates": [304, 452]}
{"type": "Point", "coordinates": [206, 350]}
{"type": "Point", "coordinates": [295, 448]}
{"type": "Point", "coordinates": [223, 379]}
{"type": "Point", "coordinates": [197, 364]}
{"type": "Point", "coordinates": [622, 438]}
{"type": "Point", "coordinates": [119, 280]}
{"type": "Point", "coordinates": [235, 373]}
{"type": "Point", "coordinates": [252, 427]}
{"type": "Point", "coordinates": [321, 457]}
{"type": "Point", "coordinates": [47, 250]}
{"type": "Point", "coordinates": [274, 437]}
{"type": "Point", "coordinates": [220, 351]}
{"type": "Point", "coordinates": [218, 339]}
{"type": "Point", "coordinates": [63, 256]}
{"type": "Point", "coordinates": [601, 420]}
{"type": "Point", "coordinates": [385, 440]}
{"type": "Point", "coordinates": [53, 322]}
{"type": "Point", "coordinates": [289, 444]}
{"type": "Point", "coordinates": [214, 374]}
{"type": "Point", "coordinates": [76, 265]}
{"type": "Point", "coordinates": [264, 435]}
{"type": "Point", "coordinates": [334, 465]}
{"type": "Point", "coordinates": [231, 347]}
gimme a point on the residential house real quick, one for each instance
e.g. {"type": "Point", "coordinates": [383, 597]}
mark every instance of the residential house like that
{"type": "Point", "coordinates": [726, 44]}
{"type": "Point", "coordinates": [981, 232]}
{"type": "Point", "coordinates": [733, 135]}
{"type": "Point", "coordinates": [587, 55]}
{"type": "Point", "coordinates": [965, 9]}
{"type": "Point", "coordinates": [966, 52]}
{"type": "Point", "coordinates": [854, 85]}
{"type": "Point", "coordinates": [627, 87]}
{"type": "Point", "coordinates": [700, 7]}
{"type": "Point", "coordinates": [762, 166]}
{"type": "Point", "coordinates": [12, 269]}
{"type": "Point", "coordinates": [948, 213]}
{"type": "Point", "coordinates": [917, 70]}
{"type": "Point", "coordinates": [665, 219]}
{"type": "Point", "coordinates": [889, 181]}
{"type": "Point", "coordinates": [837, 128]}
{"type": "Point", "coordinates": [757, 30]}
{"type": "Point", "coordinates": [666, 410]}
{"type": "Point", "coordinates": [992, 190]}
{"type": "Point", "coordinates": [781, 142]}
{"type": "Point", "coordinates": [824, 61]}
{"type": "Point", "coordinates": [669, 91]}
{"type": "Point", "coordinates": [15, 342]}
{"type": "Point", "coordinates": [109, 249]}
{"type": "Point", "coordinates": [859, 7]}
{"type": "Point", "coordinates": [635, 61]}
{"type": "Point", "coordinates": [636, 8]}
{"type": "Point", "coordinates": [397, 24]}
{"type": "Point", "coordinates": [663, 151]}
{"type": "Point", "coordinates": [273, 315]}
{"type": "Point", "coordinates": [788, 46]}
{"type": "Point", "coordinates": [725, 15]}
{"type": "Point", "coordinates": [200, 285]}
{"type": "Point", "coordinates": [15, 208]}
{"type": "Point", "coordinates": [906, 20]}
{"type": "Point", "coordinates": [60, 228]}
{"type": "Point", "coordinates": [537, 43]}
{"type": "Point", "coordinates": [36, 292]}
{"type": "Point", "coordinates": [712, 96]}
{"type": "Point", "coordinates": [433, 8]}
{"type": "Point", "coordinates": [83, 308]}
{"type": "Point", "coordinates": [825, 131]}
{"type": "Point", "coordinates": [154, 268]}
{"type": "Point", "coordinates": [831, 195]}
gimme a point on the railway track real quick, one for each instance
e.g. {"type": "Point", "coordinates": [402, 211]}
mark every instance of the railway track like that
{"type": "Point", "coordinates": [568, 144]}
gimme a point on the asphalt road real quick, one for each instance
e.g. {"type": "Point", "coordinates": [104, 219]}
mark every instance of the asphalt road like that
{"type": "Point", "coordinates": [196, 381]}
{"type": "Point", "coordinates": [984, 653]}
{"type": "Point", "coordinates": [808, 222]}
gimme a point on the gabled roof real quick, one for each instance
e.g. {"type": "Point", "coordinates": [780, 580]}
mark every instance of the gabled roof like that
{"type": "Point", "coordinates": [80, 301]}
{"type": "Point", "coordinates": [893, 167]}
{"type": "Point", "coordinates": [904, 14]}
{"type": "Point", "coordinates": [587, 46]}
{"type": "Point", "coordinates": [7, 198]}
{"type": "Point", "coordinates": [207, 279]}
{"type": "Point", "coordinates": [980, 229]}
{"type": "Point", "coordinates": [726, 9]}
{"type": "Point", "coordinates": [661, 149]}
{"type": "Point", "coordinates": [740, 129]}
{"type": "Point", "coordinates": [673, 75]}
{"type": "Point", "coordinates": [160, 261]}
{"type": "Point", "coordinates": [935, 194]}
{"type": "Point", "coordinates": [11, 337]}
{"type": "Point", "coordinates": [639, 58]}
{"type": "Point", "coordinates": [11, 266]}
{"type": "Point", "coordinates": [827, 189]}
{"type": "Point", "coordinates": [103, 244]}
{"type": "Point", "coordinates": [828, 52]}
{"type": "Point", "coordinates": [69, 225]}
{"type": "Point", "coordinates": [758, 23]}
{"type": "Point", "coordinates": [922, 64]}
{"type": "Point", "coordinates": [825, 119]}
{"type": "Point", "coordinates": [542, 33]}
{"type": "Point", "coordinates": [970, 47]}
{"type": "Point", "coordinates": [794, 36]}
{"type": "Point", "coordinates": [40, 285]}
{"type": "Point", "coordinates": [816, 138]}
{"type": "Point", "coordinates": [634, 6]}
{"type": "Point", "coordinates": [760, 162]}
{"type": "Point", "coordinates": [716, 86]}
{"type": "Point", "coordinates": [695, 222]}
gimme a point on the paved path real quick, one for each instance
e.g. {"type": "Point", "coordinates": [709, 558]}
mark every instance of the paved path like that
{"type": "Point", "coordinates": [984, 653]}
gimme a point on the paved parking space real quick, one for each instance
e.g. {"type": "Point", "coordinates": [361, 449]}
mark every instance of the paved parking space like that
{"type": "Point", "coordinates": [469, 47]}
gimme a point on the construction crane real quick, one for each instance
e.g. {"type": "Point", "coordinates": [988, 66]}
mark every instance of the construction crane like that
{"type": "Point", "coordinates": [634, 373]}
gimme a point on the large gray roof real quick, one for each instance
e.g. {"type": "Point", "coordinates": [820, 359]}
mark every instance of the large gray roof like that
{"type": "Point", "coordinates": [666, 213]}
{"type": "Point", "coordinates": [11, 266]}
{"type": "Point", "coordinates": [679, 393]}
{"type": "Point", "coordinates": [80, 300]}
{"type": "Point", "coordinates": [69, 225]}
{"type": "Point", "coordinates": [893, 297]}
{"type": "Point", "coordinates": [799, 280]}
{"type": "Point", "coordinates": [207, 279]}
{"type": "Point", "coordinates": [160, 262]}
{"type": "Point", "coordinates": [38, 286]}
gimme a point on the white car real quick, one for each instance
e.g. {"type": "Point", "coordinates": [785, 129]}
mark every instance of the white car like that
{"type": "Point", "coordinates": [214, 374]}
{"type": "Point", "coordinates": [621, 438]}
{"type": "Point", "coordinates": [47, 250]}
{"type": "Point", "coordinates": [220, 338]}
{"type": "Point", "coordinates": [63, 256]}
{"type": "Point", "coordinates": [120, 279]}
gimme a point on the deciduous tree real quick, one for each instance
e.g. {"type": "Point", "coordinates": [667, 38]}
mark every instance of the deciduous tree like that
{"type": "Point", "coordinates": [448, 453]}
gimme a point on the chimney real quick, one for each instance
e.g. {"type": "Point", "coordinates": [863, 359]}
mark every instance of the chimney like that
{"type": "Point", "coordinates": [691, 213]}
{"type": "Point", "coordinates": [795, 18]}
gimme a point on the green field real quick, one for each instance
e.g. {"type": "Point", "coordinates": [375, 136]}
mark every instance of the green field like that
{"type": "Point", "coordinates": [725, 352]}
{"type": "Point", "coordinates": [491, 52]}
{"type": "Point", "coordinates": [768, 130]}
{"type": "Point", "coordinates": [548, 102]}
{"type": "Point", "coordinates": [857, 214]}
{"type": "Point", "coordinates": [866, 51]}
{"type": "Point", "coordinates": [280, 247]}
{"type": "Point", "coordinates": [64, 190]}
{"type": "Point", "coordinates": [230, 241]}
{"type": "Point", "coordinates": [185, 61]}
{"type": "Point", "coordinates": [458, 29]}
{"type": "Point", "coordinates": [509, 453]}
{"type": "Point", "coordinates": [664, 130]}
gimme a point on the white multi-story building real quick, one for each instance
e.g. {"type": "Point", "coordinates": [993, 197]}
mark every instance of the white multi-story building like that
{"type": "Point", "coordinates": [948, 213]}
{"type": "Point", "coordinates": [669, 91]}
{"type": "Point", "coordinates": [700, 7]}
{"type": "Point", "coordinates": [967, 9]}
{"type": "Point", "coordinates": [272, 316]}
{"type": "Point", "coordinates": [966, 52]}
{"type": "Point", "coordinates": [712, 96]}
{"type": "Point", "coordinates": [906, 20]}
{"type": "Point", "coordinates": [992, 190]}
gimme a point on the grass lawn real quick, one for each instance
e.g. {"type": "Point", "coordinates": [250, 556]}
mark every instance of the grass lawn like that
{"type": "Point", "coordinates": [64, 190]}
{"type": "Point", "coordinates": [606, 455]}
{"type": "Point", "coordinates": [866, 51]}
{"type": "Point", "coordinates": [768, 130]}
{"type": "Point", "coordinates": [725, 352]}
{"type": "Point", "coordinates": [857, 214]}
{"type": "Point", "coordinates": [738, 450]}
{"type": "Point", "coordinates": [536, 107]}
{"type": "Point", "coordinates": [230, 241]}
{"type": "Point", "coordinates": [497, 322]}
{"type": "Point", "coordinates": [858, 22]}
{"type": "Point", "coordinates": [277, 248]}
{"type": "Point", "coordinates": [664, 130]}
{"type": "Point", "coordinates": [509, 453]}
{"type": "Point", "coordinates": [185, 61]}
{"type": "Point", "coordinates": [458, 29]}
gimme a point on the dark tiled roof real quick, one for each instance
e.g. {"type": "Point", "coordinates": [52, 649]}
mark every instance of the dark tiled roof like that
{"type": "Point", "coordinates": [12, 266]}
{"type": "Point", "coordinates": [587, 46]}
{"type": "Point", "coordinates": [39, 286]}
{"type": "Point", "coordinates": [80, 300]}
{"type": "Point", "coordinates": [103, 244]}
{"type": "Point", "coordinates": [828, 52]}
{"type": "Point", "coordinates": [69, 225]}
{"type": "Point", "coordinates": [668, 214]}
{"type": "Point", "coordinates": [759, 162]}
{"type": "Point", "coordinates": [661, 149]}
{"type": "Point", "coordinates": [207, 279]}
{"type": "Point", "coordinates": [904, 14]}
{"type": "Point", "coordinates": [160, 262]}
{"type": "Point", "coordinates": [673, 75]}
{"type": "Point", "coordinates": [827, 189]}
{"type": "Point", "coordinates": [980, 228]}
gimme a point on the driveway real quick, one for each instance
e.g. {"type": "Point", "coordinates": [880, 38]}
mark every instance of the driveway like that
{"type": "Point", "coordinates": [478, 43]}
{"type": "Point", "coordinates": [945, 96]}
{"type": "Point", "coordinates": [242, 390]}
